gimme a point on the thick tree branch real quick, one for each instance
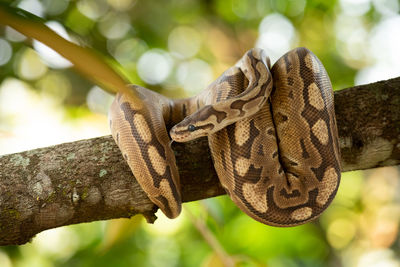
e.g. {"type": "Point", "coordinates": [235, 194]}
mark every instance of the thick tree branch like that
{"type": "Point", "coordinates": [88, 180]}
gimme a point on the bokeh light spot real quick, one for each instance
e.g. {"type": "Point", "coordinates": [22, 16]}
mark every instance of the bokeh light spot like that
{"type": "Point", "coordinates": [194, 76]}
{"type": "Point", "coordinates": [245, 9]}
{"type": "Point", "coordinates": [277, 35]}
{"type": "Point", "coordinates": [163, 226]}
{"type": "Point", "coordinates": [92, 9]}
{"type": "Point", "coordinates": [164, 251]}
{"type": "Point", "coordinates": [379, 258]}
{"type": "Point", "coordinates": [98, 100]}
{"type": "Point", "coordinates": [32, 6]}
{"type": "Point", "coordinates": [56, 86]}
{"type": "Point", "coordinates": [383, 50]}
{"type": "Point", "coordinates": [340, 232]}
{"type": "Point", "coordinates": [184, 42]}
{"type": "Point", "coordinates": [5, 52]}
{"type": "Point", "coordinates": [114, 25]}
{"type": "Point", "coordinates": [129, 51]}
{"type": "Point", "coordinates": [5, 260]}
{"type": "Point", "coordinates": [30, 66]}
{"type": "Point", "coordinates": [59, 242]}
{"type": "Point", "coordinates": [386, 7]}
{"type": "Point", "coordinates": [55, 7]}
{"type": "Point", "coordinates": [355, 7]}
{"type": "Point", "coordinates": [385, 40]}
{"type": "Point", "coordinates": [13, 35]}
{"type": "Point", "coordinates": [296, 7]}
{"type": "Point", "coordinates": [121, 5]}
{"type": "Point", "coordinates": [154, 66]}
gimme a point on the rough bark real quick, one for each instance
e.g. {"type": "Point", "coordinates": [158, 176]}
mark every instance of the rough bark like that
{"type": "Point", "coordinates": [88, 180]}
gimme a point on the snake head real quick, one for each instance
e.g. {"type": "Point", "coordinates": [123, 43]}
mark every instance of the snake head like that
{"type": "Point", "coordinates": [190, 129]}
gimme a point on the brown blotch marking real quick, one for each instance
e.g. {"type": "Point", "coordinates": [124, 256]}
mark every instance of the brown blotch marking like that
{"type": "Point", "coordinates": [208, 111]}
{"type": "Point", "coordinates": [260, 150]}
{"type": "Point", "coordinates": [208, 126]}
{"type": "Point", "coordinates": [315, 97]}
{"type": "Point", "coordinates": [286, 161]}
{"type": "Point", "coordinates": [275, 154]}
{"type": "Point", "coordinates": [254, 198]}
{"type": "Point", "coordinates": [304, 153]}
{"type": "Point", "coordinates": [280, 118]}
{"type": "Point", "coordinates": [290, 81]}
{"type": "Point", "coordinates": [320, 130]}
{"type": "Point", "coordinates": [290, 95]}
{"type": "Point", "coordinates": [255, 103]}
{"type": "Point", "coordinates": [292, 163]}
{"type": "Point", "coordinates": [271, 131]}
{"type": "Point", "coordinates": [223, 160]}
{"type": "Point", "coordinates": [288, 64]}
{"type": "Point", "coordinates": [327, 186]}
{"type": "Point", "coordinates": [166, 191]}
{"type": "Point", "coordinates": [117, 138]}
{"type": "Point", "coordinates": [301, 214]}
{"type": "Point", "coordinates": [163, 204]}
{"type": "Point", "coordinates": [295, 193]}
{"type": "Point", "coordinates": [238, 104]}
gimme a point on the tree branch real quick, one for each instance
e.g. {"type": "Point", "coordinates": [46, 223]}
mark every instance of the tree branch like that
{"type": "Point", "coordinates": [88, 180]}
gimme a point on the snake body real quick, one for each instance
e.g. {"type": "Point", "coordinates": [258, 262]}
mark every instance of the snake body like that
{"type": "Point", "coordinates": [272, 135]}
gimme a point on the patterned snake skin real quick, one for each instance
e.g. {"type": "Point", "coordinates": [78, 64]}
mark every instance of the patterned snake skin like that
{"type": "Point", "coordinates": [272, 134]}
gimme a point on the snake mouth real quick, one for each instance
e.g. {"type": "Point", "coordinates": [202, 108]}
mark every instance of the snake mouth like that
{"type": "Point", "coordinates": [179, 136]}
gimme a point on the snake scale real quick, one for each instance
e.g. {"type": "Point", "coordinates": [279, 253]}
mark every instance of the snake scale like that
{"type": "Point", "coordinates": [272, 134]}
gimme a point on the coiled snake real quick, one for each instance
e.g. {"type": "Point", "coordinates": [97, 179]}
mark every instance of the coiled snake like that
{"type": "Point", "coordinates": [272, 135]}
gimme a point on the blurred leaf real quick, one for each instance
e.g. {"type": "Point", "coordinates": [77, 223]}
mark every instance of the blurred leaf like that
{"type": "Point", "coordinates": [118, 230]}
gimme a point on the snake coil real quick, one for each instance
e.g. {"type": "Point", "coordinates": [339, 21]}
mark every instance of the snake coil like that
{"type": "Point", "coordinates": [272, 134]}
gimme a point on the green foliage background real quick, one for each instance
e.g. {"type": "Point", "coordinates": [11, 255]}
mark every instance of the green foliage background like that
{"type": "Point", "coordinates": [361, 226]}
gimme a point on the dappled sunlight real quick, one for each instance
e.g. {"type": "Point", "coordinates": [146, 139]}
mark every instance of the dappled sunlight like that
{"type": "Point", "coordinates": [31, 120]}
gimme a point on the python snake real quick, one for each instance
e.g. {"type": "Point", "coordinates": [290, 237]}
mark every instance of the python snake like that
{"type": "Point", "coordinates": [272, 134]}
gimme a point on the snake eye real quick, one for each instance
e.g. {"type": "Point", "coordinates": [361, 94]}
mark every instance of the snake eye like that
{"type": "Point", "coordinates": [191, 128]}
